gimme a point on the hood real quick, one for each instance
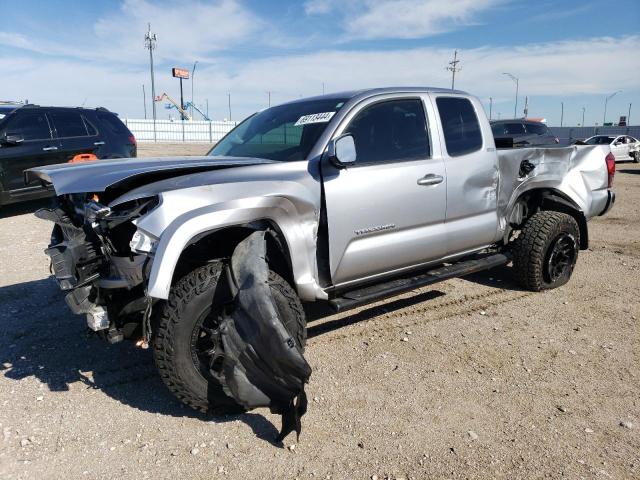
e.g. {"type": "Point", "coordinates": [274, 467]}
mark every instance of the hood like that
{"type": "Point", "coordinates": [98, 176]}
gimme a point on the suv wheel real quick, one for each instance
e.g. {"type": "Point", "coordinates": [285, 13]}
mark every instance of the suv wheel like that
{"type": "Point", "coordinates": [187, 343]}
{"type": "Point", "coordinates": [546, 251]}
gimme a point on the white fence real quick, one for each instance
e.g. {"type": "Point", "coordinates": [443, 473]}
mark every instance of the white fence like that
{"type": "Point", "coordinates": [178, 131]}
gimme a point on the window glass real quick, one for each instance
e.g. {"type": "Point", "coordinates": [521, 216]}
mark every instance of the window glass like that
{"type": "Point", "coordinates": [32, 126]}
{"type": "Point", "coordinates": [514, 129]}
{"type": "Point", "coordinates": [69, 124]}
{"type": "Point", "coordinates": [90, 128]}
{"type": "Point", "coordinates": [460, 125]}
{"type": "Point", "coordinates": [285, 132]}
{"type": "Point", "coordinates": [390, 131]}
{"type": "Point", "coordinates": [497, 129]}
{"type": "Point", "coordinates": [537, 128]}
{"type": "Point", "coordinates": [113, 123]}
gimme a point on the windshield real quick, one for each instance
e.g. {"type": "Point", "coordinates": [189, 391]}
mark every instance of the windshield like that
{"type": "Point", "coordinates": [599, 141]}
{"type": "Point", "coordinates": [285, 133]}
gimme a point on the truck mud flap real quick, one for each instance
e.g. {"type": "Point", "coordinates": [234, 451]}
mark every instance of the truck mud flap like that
{"type": "Point", "coordinates": [263, 366]}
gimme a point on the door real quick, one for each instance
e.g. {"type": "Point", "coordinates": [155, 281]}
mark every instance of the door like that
{"type": "Point", "coordinates": [618, 148]}
{"type": "Point", "coordinates": [472, 175]}
{"type": "Point", "coordinates": [37, 147]}
{"type": "Point", "coordinates": [76, 135]}
{"type": "Point", "coordinates": [386, 212]}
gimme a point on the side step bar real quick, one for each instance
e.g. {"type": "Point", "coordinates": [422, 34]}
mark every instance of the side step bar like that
{"type": "Point", "coordinates": [379, 291]}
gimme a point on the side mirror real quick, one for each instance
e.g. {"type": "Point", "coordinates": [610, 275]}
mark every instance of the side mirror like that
{"type": "Point", "coordinates": [342, 151]}
{"type": "Point", "coordinates": [11, 139]}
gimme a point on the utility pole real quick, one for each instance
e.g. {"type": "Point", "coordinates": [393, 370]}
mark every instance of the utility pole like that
{"type": "Point", "coordinates": [516, 80]}
{"type": "Point", "coordinates": [207, 107]}
{"type": "Point", "coordinates": [606, 100]}
{"type": "Point", "coordinates": [583, 109]}
{"type": "Point", "coordinates": [229, 98]}
{"type": "Point", "coordinates": [629, 116]}
{"type": "Point", "coordinates": [322, 88]}
{"type": "Point", "coordinates": [144, 102]}
{"type": "Point", "coordinates": [269, 96]}
{"type": "Point", "coordinates": [526, 107]}
{"type": "Point", "coordinates": [193, 74]}
{"type": "Point", "coordinates": [150, 40]}
{"type": "Point", "coordinates": [561, 113]}
{"type": "Point", "coordinates": [490, 107]}
{"type": "Point", "coordinates": [453, 68]}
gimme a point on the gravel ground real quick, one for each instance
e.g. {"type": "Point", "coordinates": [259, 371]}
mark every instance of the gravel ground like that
{"type": "Point", "coordinates": [471, 378]}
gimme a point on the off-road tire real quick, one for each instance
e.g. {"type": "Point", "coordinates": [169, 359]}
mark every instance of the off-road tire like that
{"type": "Point", "coordinates": [533, 247]}
{"type": "Point", "coordinates": [175, 324]}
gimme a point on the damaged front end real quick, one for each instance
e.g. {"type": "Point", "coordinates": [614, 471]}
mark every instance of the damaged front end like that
{"type": "Point", "coordinates": [95, 258]}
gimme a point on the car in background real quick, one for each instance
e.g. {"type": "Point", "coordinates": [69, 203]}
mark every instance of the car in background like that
{"type": "Point", "coordinates": [623, 147]}
{"type": "Point", "coordinates": [525, 133]}
{"type": "Point", "coordinates": [33, 136]}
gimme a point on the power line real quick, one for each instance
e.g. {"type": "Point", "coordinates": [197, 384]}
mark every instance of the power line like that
{"type": "Point", "coordinates": [453, 68]}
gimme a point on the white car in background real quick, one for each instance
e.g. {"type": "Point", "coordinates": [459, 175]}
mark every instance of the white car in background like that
{"type": "Point", "coordinates": [623, 147]}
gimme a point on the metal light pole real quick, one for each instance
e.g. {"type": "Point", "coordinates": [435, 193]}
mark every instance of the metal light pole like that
{"type": "Point", "coordinates": [269, 96]}
{"type": "Point", "coordinates": [490, 107]}
{"type": "Point", "coordinates": [322, 88]}
{"type": "Point", "coordinates": [144, 102]}
{"type": "Point", "coordinates": [150, 40]}
{"type": "Point", "coordinates": [604, 118]}
{"type": "Point", "coordinates": [193, 74]}
{"type": "Point", "coordinates": [629, 116]}
{"type": "Point", "coordinates": [583, 109]}
{"type": "Point", "coordinates": [516, 80]}
{"type": "Point", "coordinates": [561, 113]}
{"type": "Point", "coordinates": [229, 98]}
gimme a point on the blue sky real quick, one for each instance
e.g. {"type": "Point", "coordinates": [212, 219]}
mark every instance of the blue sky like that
{"type": "Point", "coordinates": [573, 52]}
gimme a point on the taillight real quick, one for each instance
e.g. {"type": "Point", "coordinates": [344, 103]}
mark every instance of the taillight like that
{"type": "Point", "coordinates": [132, 140]}
{"type": "Point", "coordinates": [611, 167]}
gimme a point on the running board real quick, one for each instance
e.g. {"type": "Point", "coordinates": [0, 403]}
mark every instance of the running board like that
{"type": "Point", "coordinates": [379, 291]}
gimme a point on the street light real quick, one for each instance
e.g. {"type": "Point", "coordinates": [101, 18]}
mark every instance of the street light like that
{"type": "Point", "coordinates": [193, 73]}
{"type": "Point", "coordinates": [604, 118]}
{"type": "Point", "coordinates": [516, 80]}
{"type": "Point", "coordinates": [583, 109]}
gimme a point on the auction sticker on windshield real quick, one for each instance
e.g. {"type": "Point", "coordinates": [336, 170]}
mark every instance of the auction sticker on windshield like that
{"type": "Point", "coordinates": [314, 118]}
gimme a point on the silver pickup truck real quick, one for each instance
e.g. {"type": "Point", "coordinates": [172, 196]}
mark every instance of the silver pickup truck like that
{"type": "Point", "coordinates": [346, 199]}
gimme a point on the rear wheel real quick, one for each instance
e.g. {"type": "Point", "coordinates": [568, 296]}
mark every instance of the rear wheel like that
{"type": "Point", "coordinates": [187, 343]}
{"type": "Point", "coordinates": [545, 253]}
{"type": "Point", "coordinates": [636, 157]}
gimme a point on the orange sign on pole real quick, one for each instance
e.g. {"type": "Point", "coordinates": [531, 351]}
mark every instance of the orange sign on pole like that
{"type": "Point", "coordinates": [180, 72]}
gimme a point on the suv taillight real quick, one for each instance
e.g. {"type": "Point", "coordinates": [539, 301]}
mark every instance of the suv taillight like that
{"type": "Point", "coordinates": [132, 140]}
{"type": "Point", "coordinates": [611, 167]}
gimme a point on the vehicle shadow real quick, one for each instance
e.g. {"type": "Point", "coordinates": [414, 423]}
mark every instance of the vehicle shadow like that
{"type": "Point", "coordinates": [23, 208]}
{"type": "Point", "coordinates": [40, 338]}
{"type": "Point", "coordinates": [635, 172]}
{"type": "Point", "coordinates": [498, 277]}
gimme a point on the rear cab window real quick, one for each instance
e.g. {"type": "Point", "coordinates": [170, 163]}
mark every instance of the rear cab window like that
{"type": "Point", "coordinates": [462, 134]}
{"type": "Point", "coordinates": [514, 129]}
{"type": "Point", "coordinates": [112, 123]}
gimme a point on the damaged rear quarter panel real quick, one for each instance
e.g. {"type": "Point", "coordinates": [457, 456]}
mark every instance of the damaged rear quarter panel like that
{"type": "Point", "coordinates": [286, 194]}
{"type": "Point", "coordinates": [578, 172]}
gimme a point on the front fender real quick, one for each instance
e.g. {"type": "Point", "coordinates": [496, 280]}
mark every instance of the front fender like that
{"type": "Point", "coordinates": [299, 229]}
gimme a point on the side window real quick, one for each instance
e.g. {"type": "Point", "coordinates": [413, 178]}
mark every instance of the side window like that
{"type": "Point", "coordinates": [69, 124]}
{"type": "Point", "coordinates": [31, 125]}
{"type": "Point", "coordinates": [112, 123]}
{"type": "Point", "coordinates": [462, 133]}
{"type": "Point", "coordinates": [390, 131]}
{"type": "Point", "coordinates": [537, 128]}
{"type": "Point", "coordinates": [514, 129]}
{"type": "Point", "coordinates": [497, 129]}
{"type": "Point", "coordinates": [90, 128]}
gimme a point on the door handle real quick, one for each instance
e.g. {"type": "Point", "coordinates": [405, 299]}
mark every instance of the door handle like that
{"type": "Point", "coordinates": [47, 149]}
{"type": "Point", "coordinates": [430, 179]}
{"type": "Point", "coordinates": [98, 143]}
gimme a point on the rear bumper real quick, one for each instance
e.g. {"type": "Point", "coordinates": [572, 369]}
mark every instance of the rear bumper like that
{"type": "Point", "coordinates": [611, 199]}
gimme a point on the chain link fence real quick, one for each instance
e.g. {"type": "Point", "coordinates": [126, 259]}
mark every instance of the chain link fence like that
{"type": "Point", "coordinates": [168, 131]}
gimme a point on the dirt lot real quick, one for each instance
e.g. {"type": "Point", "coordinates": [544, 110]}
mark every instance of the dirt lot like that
{"type": "Point", "coordinates": [472, 378]}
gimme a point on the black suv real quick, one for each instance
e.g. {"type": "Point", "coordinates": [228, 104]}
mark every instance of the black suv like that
{"type": "Point", "coordinates": [525, 133]}
{"type": "Point", "coordinates": [32, 136]}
